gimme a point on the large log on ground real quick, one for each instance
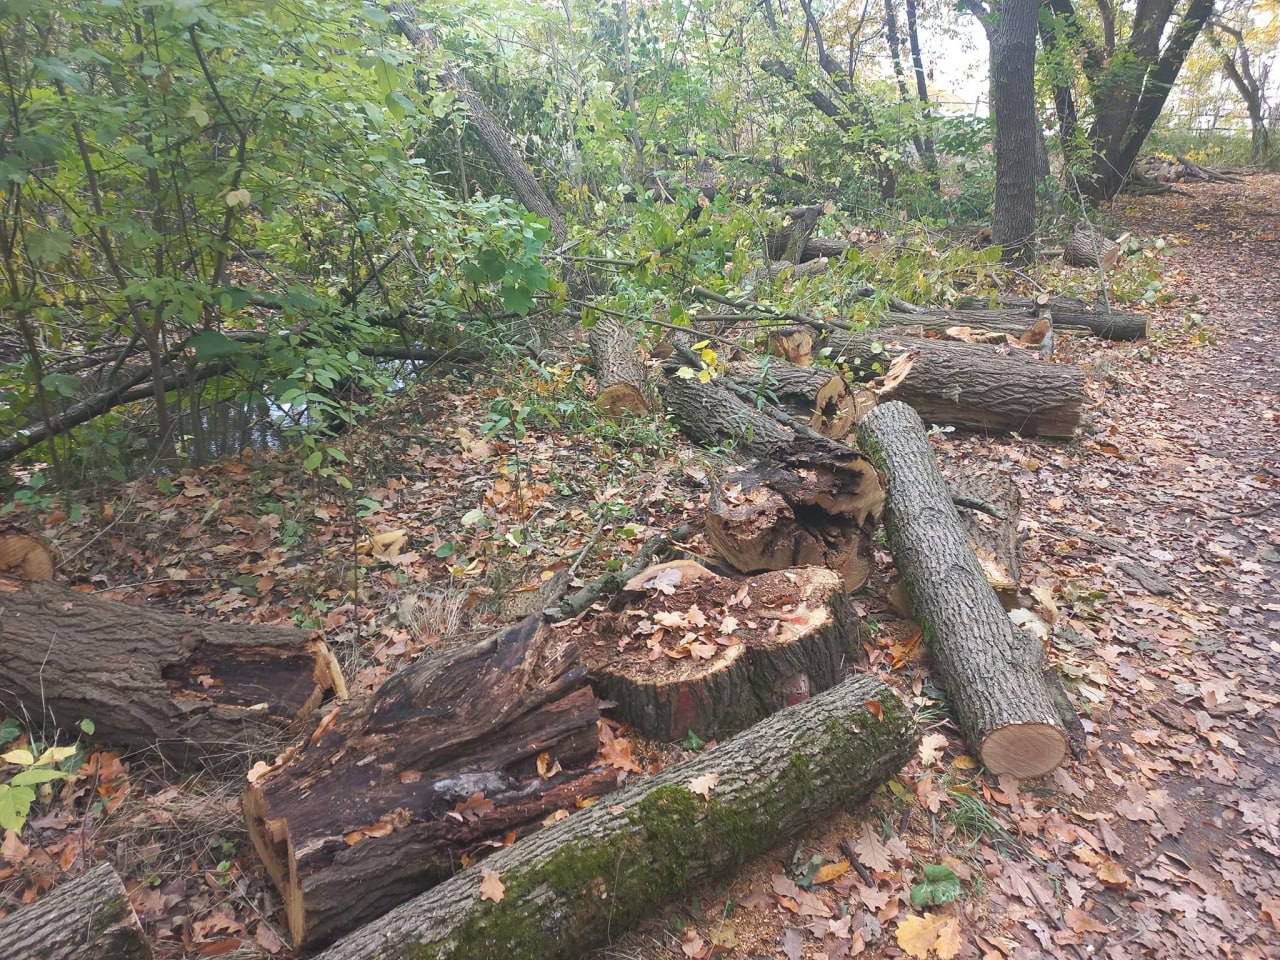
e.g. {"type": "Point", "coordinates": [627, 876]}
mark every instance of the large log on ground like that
{"type": "Point", "coordinates": [620, 374]}
{"type": "Point", "coordinates": [581, 882]}
{"type": "Point", "coordinates": [989, 504]}
{"type": "Point", "coordinates": [711, 414]}
{"type": "Point", "coordinates": [1087, 247]}
{"type": "Point", "coordinates": [993, 674]}
{"type": "Point", "coordinates": [88, 918]}
{"type": "Point", "coordinates": [801, 508]}
{"type": "Point", "coordinates": [195, 688]}
{"type": "Point", "coordinates": [819, 394]}
{"type": "Point", "coordinates": [969, 385]}
{"type": "Point", "coordinates": [789, 241]}
{"type": "Point", "coordinates": [816, 247]}
{"type": "Point", "coordinates": [1073, 316]}
{"type": "Point", "coordinates": [792, 343]}
{"type": "Point", "coordinates": [702, 653]}
{"type": "Point", "coordinates": [448, 758]}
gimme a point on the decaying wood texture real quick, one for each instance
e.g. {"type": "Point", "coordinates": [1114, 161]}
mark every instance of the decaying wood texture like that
{"type": "Point", "coordinates": [819, 394]}
{"type": "Point", "coordinates": [711, 414]}
{"type": "Point", "coordinates": [1013, 322]}
{"type": "Point", "coordinates": [793, 344]}
{"type": "Point", "coordinates": [88, 918]}
{"type": "Point", "coordinates": [1086, 247]}
{"type": "Point", "coordinates": [688, 654]}
{"type": "Point", "coordinates": [194, 688]}
{"type": "Point", "coordinates": [989, 504]}
{"type": "Point", "coordinates": [993, 673]}
{"type": "Point", "coordinates": [620, 373]}
{"type": "Point", "coordinates": [583, 881]}
{"type": "Point", "coordinates": [25, 555]}
{"type": "Point", "coordinates": [803, 507]}
{"type": "Point", "coordinates": [448, 757]}
{"type": "Point", "coordinates": [1069, 315]}
{"type": "Point", "coordinates": [969, 385]}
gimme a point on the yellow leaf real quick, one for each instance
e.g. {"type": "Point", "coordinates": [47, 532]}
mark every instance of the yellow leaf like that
{"type": "Point", "coordinates": [949, 942]}
{"type": "Point", "coordinates": [491, 887]}
{"type": "Point", "coordinates": [830, 871]}
{"type": "Point", "coordinates": [22, 758]}
{"type": "Point", "coordinates": [917, 935]}
{"type": "Point", "coordinates": [55, 755]}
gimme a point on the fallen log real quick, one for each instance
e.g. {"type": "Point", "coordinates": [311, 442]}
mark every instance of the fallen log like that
{"type": "Point", "coordinates": [575, 885]}
{"type": "Point", "coordinates": [989, 504]}
{"type": "Point", "coordinates": [620, 373]}
{"type": "Point", "coordinates": [711, 414]}
{"type": "Point", "coordinates": [88, 918]}
{"type": "Point", "coordinates": [789, 241]}
{"type": "Point", "coordinates": [1068, 314]}
{"type": "Point", "coordinates": [970, 386]}
{"type": "Point", "coordinates": [793, 344]}
{"type": "Point", "coordinates": [1086, 247]}
{"type": "Point", "coordinates": [443, 763]}
{"type": "Point", "coordinates": [993, 674]}
{"type": "Point", "coordinates": [819, 394]}
{"type": "Point", "coordinates": [832, 249]}
{"type": "Point", "coordinates": [196, 689]}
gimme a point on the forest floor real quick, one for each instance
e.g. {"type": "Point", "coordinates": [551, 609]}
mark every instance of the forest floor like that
{"type": "Point", "coordinates": [1162, 839]}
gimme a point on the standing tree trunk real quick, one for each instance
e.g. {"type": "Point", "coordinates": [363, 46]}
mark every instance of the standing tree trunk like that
{"type": "Point", "coordinates": [894, 39]}
{"type": "Point", "coordinates": [922, 91]}
{"type": "Point", "coordinates": [1012, 36]}
{"type": "Point", "coordinates": [88, 918]}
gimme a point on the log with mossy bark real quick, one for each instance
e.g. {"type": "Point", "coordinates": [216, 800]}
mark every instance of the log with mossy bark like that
{"type": "Point", "coordinates": [967, 385]}
{"type": "Point", "coordinates": [1069, 315]}
{"type": "Point", "coordinates": [989, 504]}
{"type": "Point", "coordinates": [690, 652]}
{"type": "Point", "coordinates": [993, 674]}
{"type": "Point", "coordinates": [620, 373]}
{"type": "Point", "coordinates": [453, 756]}
{"type": "Point", "coordinates": [196, 689]}
{"type": "Point", "coordinates": [818, 394]}
{"type": "Point", "coordinates": [88, 918]}
{"type": "Point", "coordinates": [581, 882]}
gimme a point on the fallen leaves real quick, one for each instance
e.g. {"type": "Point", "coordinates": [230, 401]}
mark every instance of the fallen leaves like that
{"type": "Point", "coordinates": [704, 784]}
{"type": "Point", "coordinates": [939, 935]}
{"type": "Point", "coordinates": [491, 887]}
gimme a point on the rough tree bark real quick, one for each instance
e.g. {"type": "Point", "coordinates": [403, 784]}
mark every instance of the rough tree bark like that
{"type": "Point", "coordinates": [989, 504]}
{"type": "Point", "coordinates": [194, 688]}
{"type": "Point", "coordinates": [578, 883]}
{"type": "Point", "coordinates": [818, 394]}
{"type": "Point", "coordinates": [1087, 247]}
{"type": "Point", "coordinates": [622, 384]}
{"type": "Point", "coordinates": [387, 796]}
{"type": "Point", "coordinates": [88, 918]}
{"type": "Point", "coordinates": [930, 154]}
{"type": "Point", "coordinates": [1011, 31]}
{"type": "Point", "coordinates": [993, 674]}
{"type": "Point", "coordinates": [1071, 315]}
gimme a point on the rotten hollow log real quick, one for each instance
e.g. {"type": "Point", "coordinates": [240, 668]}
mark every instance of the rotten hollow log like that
{"type": "Point", "coordinates": [620, 373]}
{"type": "Point", "coordinates": [445, 761]}
{"type": "Point", "coordinates": [819, 394]}
{"type": "Point", "coordinates": [196, 689]}
{"type": "Point", "coordinates": [801, 508]}
{"type": "Point", "coordinates": [695, 652]}
{"type": "Point", "coordinates": [581, 882]}
{"type": "Point", "coordinates": [968, 385]}
{"type": "Point", "coordinates": [989, 504]}
{"type": "Point", "coordinates": [1073, 316]}
{"type": "Point", "coordinates": [1086, 247]}
{"type": "Point", "coordinates": [793, 344]}
{"type": "Point", "coordinates": [88, 918]}
{"type": "Point", "coordinates": [993, 673]}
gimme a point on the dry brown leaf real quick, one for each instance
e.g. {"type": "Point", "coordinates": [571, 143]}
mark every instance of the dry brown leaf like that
{"type": "Point", "coordinates": [931, 747]}
{"type": "Point", "coordinates": [704, 784]}
{"type": "Point", "coordinates": [1113, 875]}
{"type": "Point", "coordinates": [491, 887]}
{"type": "Point", "coordinates": [871, 851]}
{"type": "Point", "coordinates": [917, 935]}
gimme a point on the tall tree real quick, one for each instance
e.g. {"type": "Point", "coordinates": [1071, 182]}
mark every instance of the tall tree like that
{"type": "Point", "coordinates": [1246, 75]}
{"type": "Point", "coordinates": [1010, 26]}
{"type": "Point", "coordinates": [922, 88]}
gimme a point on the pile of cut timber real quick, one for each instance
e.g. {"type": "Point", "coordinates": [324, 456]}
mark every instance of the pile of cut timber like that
{"type": "Point", "coordinates": [454, 755]}
{"type": "Point", "coordinates": [1069, 315]}
{"type": "Point", "coordinates": [818, 395]}
{"type": "Point", "coordinates": [692, 651]}
{"type": "Point", "coordinates": [575, 885]}
{"type": "Point", "coordinates": [198, 690]}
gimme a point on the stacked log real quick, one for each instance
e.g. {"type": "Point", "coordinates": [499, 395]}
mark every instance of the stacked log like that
{"type": "Point", "coordinates": [453, 756]}
{"type": "Point", "coordinates": [992, 673]}
{"type": "Point", "coordinates": [88, 918]}
{"type": "Point", "coordinates": [198, 690]}
{"type": "Point", "coordinates": [620, 373]}
{"type": "Point", "coordinates": [1070, 315]}
{"type": "Point", "coordinates": [575, 885]}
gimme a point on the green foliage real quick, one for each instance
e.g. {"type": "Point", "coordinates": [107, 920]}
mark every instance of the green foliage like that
{"type": "Point", "coordinates": [940, 885]}
{"type": "Point", "coordinates": [37, 769]}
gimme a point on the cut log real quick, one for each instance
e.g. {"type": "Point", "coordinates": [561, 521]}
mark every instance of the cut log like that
{"type": "Point", "coordinates": [788, 242]}
{"type": "Point", "coordinates": [1011, 322]}
{"type": "Point", "coordinates": [620, 373]}
{"type": "Point", "coordinates": [196, 689]}
{"type": "Point", "coordinates": [816, 247]}
{"type": "Point", "coordinates": [25, 555]}
{"type": "Point", "coordinates": [793, 344]}
{"type": "Point", "coordinates": [968, 385]}
{"type": "Point", "coordinates": [88, 918]}
{"type": "Point", "coordinates": [448, 758]}
{"type": "Point", "coordinates": [993, 674]}
{"type": "Point", "coordinates": [989, 505]}
{"type": "Point", "coordinates": [702, 653]}
{"type": "Point", "coordinates": [579, 883]}
{"type": "Point", "coordinates": [1069, 315]}
{"type": "Point", "coordinates": [711, 414]}
{"type": "Point", "coordinates": [805, 510]}
{"type": "Point", "coordinates": [1086, 247]}
{"type": "Point", "coordinates": [819, 394]}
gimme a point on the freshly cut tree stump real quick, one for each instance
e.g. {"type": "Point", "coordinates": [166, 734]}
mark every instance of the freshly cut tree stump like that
{"type": "Point", "coordinates": [711, 655]}
{"type": "Point", "coordinates": [994, 539]}
{"type": "Point", "coordinates": [1086, 247]}
{"type": "Point", "coordinates": [572, 887]}
{"type": "Point", "coordinates": [195, 688]}
{"type": "Point", "coordinates": [449, 758]}
{"type": "Point", "coordinates": [620, 373]}
{"type": "Point", "coordinates": [1074, 316]}
{"type": "Point", "coordinates": [992, 672]}
{"type": "Point", "coordinates": [969, 385]}
{"type": "Point", "coordinates": [793, 344]}
{"type": "Point", "coordinates": [25, 555]}
{"type": "Point", "coordinates": [88, 918]}
{"type": "Point", "coordinates": [800, 509]}
{"type": "Point", "coordinates": [819, 394]}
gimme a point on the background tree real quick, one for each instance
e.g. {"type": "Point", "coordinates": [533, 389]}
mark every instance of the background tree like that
{"type": "Point", "coordinates": [1232, 33]}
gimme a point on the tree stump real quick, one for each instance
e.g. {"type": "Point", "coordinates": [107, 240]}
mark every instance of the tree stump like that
{"type": "Point", "coordinates": [88, 918]}
{"type": "Point", "coordinates": [793, 344]}
{"type": "Point", "coordinates": [196, 689]}
{"type": "Point", "coordinates": [992, 673]}
{"type": "Point", "coordinates": [702, 653]}
{"type": "Point", "coordinates": [789, 242]}
{"type": "Point", "coordinates": [620, 373]}
{"type": "Point", "coordinates": [450, 758]}
{"type": "Point", "coordinates": [575, 885]}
